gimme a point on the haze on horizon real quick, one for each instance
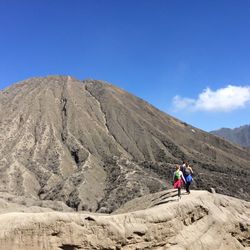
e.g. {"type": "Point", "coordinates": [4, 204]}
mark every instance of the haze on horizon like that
{"type": "Point", "coordinates": [189, 59]}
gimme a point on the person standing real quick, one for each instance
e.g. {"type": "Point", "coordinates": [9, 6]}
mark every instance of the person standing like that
{"type": "Point", "coordinates": [178, 179]}
{"type": "Point", "coordinates": [183, 169]}
{"type": "Point", "coordinates": [188, 177]}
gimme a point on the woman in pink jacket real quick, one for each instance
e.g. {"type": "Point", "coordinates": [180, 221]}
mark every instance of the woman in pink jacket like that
{"type": "Point", "coordinates": [178, 180]}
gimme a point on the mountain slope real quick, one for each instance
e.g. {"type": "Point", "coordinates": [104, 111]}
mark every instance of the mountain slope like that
{"type": "Point", "coordinates": [239, 135]}
{"type": "Point", "coordinates": [95, 146]}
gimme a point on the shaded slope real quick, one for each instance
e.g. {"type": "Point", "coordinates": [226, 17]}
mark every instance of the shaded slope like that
{"type": "Point", "coordinates": [95, 146]}
{"type": "Point", "coordinates": [151, 136]}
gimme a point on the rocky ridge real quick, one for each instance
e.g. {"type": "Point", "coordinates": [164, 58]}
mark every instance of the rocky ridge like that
{"type": "Point", "coordinates": [239, 135]}
{"type": "Point", "coordinates": [198, 221]}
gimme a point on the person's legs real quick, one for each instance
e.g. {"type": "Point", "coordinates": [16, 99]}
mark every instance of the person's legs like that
{"type": "Point", "coordinates": [179, 192]}
{"type": "Point", "coordinates": [187, 187]}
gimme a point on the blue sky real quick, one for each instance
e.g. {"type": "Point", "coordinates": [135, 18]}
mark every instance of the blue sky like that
{"type": "Point", "coordinates": [188, 58]}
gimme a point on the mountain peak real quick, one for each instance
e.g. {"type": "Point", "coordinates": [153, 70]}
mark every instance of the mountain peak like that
{"type": "Point", "coordinates": [240, 135]}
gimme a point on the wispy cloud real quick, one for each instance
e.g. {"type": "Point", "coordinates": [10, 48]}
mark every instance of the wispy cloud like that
{"type": "Point", "coordinates": [223, 100]}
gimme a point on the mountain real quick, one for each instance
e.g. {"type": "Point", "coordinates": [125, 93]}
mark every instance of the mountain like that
{"type": "Point", "coordinates": [94, 146]}
{"type": "Point", "coordinates": [239, 135]}
{"type": "Point", "coordinates": [200, 220]}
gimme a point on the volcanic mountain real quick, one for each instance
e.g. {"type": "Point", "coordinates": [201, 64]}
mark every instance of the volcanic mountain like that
{"type": "Point", "coordinates": [94, 146]}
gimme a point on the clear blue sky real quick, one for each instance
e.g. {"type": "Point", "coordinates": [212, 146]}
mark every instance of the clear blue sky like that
{"type": "Point", "coordinates": [168, 52]}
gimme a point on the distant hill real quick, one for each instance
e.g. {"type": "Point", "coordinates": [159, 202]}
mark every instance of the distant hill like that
{"type": "Point", "coordinates": [239, 135]}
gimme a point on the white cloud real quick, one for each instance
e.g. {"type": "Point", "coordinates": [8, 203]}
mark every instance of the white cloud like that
{"type": "Point", "coordinates": [223, 100]}
{"type": "Point", "coordinates": [183, 103]}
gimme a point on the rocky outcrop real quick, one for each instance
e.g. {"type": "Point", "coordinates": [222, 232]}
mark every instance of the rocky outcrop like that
{"type": "Point", "coordinates": [13, 203]}
{"type": "Point", "coordinates": [200, 220]}
{"type": "Point", "coordinates": [94, 146]}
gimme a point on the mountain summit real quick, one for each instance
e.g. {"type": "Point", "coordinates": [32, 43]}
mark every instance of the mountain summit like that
{"type": "Point", "coordinates": [95, 146]}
